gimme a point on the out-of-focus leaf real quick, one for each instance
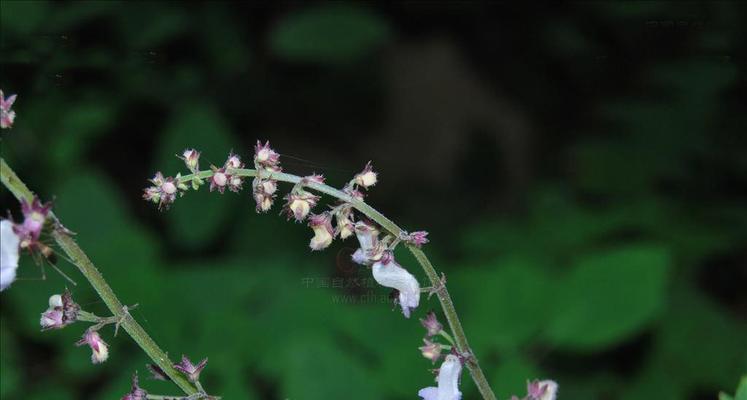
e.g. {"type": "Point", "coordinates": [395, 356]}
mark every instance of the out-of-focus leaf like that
{"type": "Point", "coordinates": [609, 296]}
{"type": "Point", "coordinates": [329, 34]}
{"type": "Point", "coordinates": [78, 129]}
{"type": "Point", "coordinates": [196, 217]}
{"type": "Point", "coordinates": [9, 373]}
{"type": "Point", "coordinates": [512, 307]}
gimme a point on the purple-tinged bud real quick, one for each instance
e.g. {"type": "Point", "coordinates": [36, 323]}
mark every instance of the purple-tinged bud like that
{"type": "Point", "coordinates": [431, 350]}
{"type": "Point", "coordinates": [235, 183]}
{"type": "Point", "coordinates": [321, 224]}
{"type": "Point", "coordinates": [99, 348]}
{"type": "Point", "coordinates": [448, 381]}
{"type": "Point", "coordinates": [190, 370]}
{"type": "Point", "coordinates": [263, 191]}
{"type": "Point", "coordinates": [34, 216]}
{"type": "Point", "coordinates": [233, 162]}
{"type": "Point", "coordinates": [367, 177]}
{"type": "Point", "coordinates": [315, 178]}
{"type": "Point", "coordinates": [388, 273]}
{"type": "Point", "coordinates": [7, 116]}
{"type": "Point", "coordinates": [62, 312]}
{"type": "Point", "coordinates": [191, 159]}
{"type": "Point", "coordinates": [542, 390]}
{"type": "Point", "coordinates": [417, 238]}
{"type": "Point", "coordinates": [264, 156]}
{"type": "Point", "coordinates": [219, 180]}
{"type": "Point", "coordinates": [10, 244]}
{"type": "Point", "coordinates": [431, 324]}
{"type": "Point", "coordinates": [298, 205]}
{"type": "Point", "coordinates": [136, 393]}
{"type": "Point", "coordinates": [164, 192]}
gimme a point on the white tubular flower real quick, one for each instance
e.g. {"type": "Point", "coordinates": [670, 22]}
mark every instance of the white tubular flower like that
{"type": "Point", "coordinates": [390, 274]}
{"type": "Point", "coordinates": [9, 246]}
{"type": "Point", "coordinates": [448, 381]}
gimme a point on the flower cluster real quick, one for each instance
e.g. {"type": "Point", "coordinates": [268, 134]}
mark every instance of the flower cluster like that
{"type": "Point", "coordinates": [24, 235]}
{"type": "Point", "coordinates": [62, 312]}
{"type": "Point", "coordinates": [266, 162]}
{"type": "Point", "coordinates": [7, 116]}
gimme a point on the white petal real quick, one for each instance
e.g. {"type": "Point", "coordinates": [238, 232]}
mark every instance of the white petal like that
{"type": "Point", "coordinates": [393, 276]}
{"type": "Point", "coordinates": [448, 381]}
{"type": "Point", "coordinates": [8, 254]}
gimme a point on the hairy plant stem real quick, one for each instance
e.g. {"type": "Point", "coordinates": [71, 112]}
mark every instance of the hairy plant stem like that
{"type": "Point", "coordinates": [11, 181]}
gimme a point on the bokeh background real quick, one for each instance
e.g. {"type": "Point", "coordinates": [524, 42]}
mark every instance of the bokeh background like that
{"type": "Point", "coordinates": [582, 169]}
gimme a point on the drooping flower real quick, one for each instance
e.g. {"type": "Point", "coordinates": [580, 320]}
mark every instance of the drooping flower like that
{"type": "Point", "coordinates": [299, 204]}
{"type": "Point", "coordinates": [367, 177]}
{"type": "Point", "coordinates": [430, 350]}
{"type": "Point", "coordinates": [448, 381]}
{"type": "Point", "coordinates": [368, 238]}
{"type": "Point", "coordinates": [344, 219]}
{"type": "Point", "coordinates": [321, 224]}
{"type": "Point", "coordinates": [542, 390]}
{"type": "Point", "coordinates": [431, 324]}
{"type": "Point", "coordinates": [388, 273]}
{"type": "Point", "coordinates": [265, 157]}
{"type": "Point", "coordinates": [136, 393]}
{"type": "Point", "coordinates": [9, 253]}
{"type": "Point", "coordinates": [191, 159]}
{"type": "Point", "coordinates": [190, 370]}
{"type": "Point", "coordinates": [7, 116]}
{"type": "Point", "coordinates": [99, 348]}
{"type": "Point", "coordinates": [62, 312]}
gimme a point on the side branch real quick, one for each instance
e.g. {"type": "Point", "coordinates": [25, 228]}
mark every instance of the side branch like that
{"type": "Point", "coordinates": [11, 181]}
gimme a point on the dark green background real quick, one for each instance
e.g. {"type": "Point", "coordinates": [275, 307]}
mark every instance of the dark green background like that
{"type": "Point", "coordinates": [582, 169]}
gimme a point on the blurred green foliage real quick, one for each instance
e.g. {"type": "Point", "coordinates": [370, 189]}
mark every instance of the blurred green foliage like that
{"type": "Point", "coordinates": [619, 276]}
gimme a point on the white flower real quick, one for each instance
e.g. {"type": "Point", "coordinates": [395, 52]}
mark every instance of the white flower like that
{"type": "Point", "coordinates": [388, 273]}
{"type": "Point", "coordinates": [448, 382]}
{"type": "Point", "coordinates": [9, 246]}
{"type": "Point", "coordinates": [368, 237]}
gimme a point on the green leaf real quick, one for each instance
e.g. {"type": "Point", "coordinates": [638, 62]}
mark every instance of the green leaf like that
{"type": "Point", "coordinates": [609, 296]}
{"type": "Point", "coordinates": [22, 17]}
{"type": "Point", "coordinates": [198, 216]}
{"type": "Point", "coordinates": [329, 34]}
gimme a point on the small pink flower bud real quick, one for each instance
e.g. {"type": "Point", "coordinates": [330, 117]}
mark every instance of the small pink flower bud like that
{"type": "Point", "coordinates": [367, 177]}
{"type": "Point", "coordinates": [34, 216]}
{"type": "Point", "coordinates": [431, 324]}
{"type": "Point", "coordinates": [7, 116]}
{"type": "Point", "coordinates": [164, 192]}
{"type": "Point", "coordinates": [430, 350]}
{"type": "Point", "coordinates": [233, 162]}
{"type": "Point", "coordinates": [190, 370]}
{"type": "Point", "coordinates": [136, 393]}
{"type": "Point", "coordinates": [191, 159]}
{"type": "Point", "coordinates": [264, 156]}
{"type": "Point", "coordinates": [99, 348]}
{"type": "Point", "coordinates": [298, 205]}
{"type": "Point", "coordinates": [62, 312]}
{"type": "Point", "coordinates": [417, 238]}
{"type": "Point", "coordinates": [321, 224]}
{"type": "Point", "coordinates": [269, 186]}
{"type": "Point", "coordinates": [315, 178]}
{"type": "Point", "coordinates": [219, 180]}
{"type": "Point", "coordinates": [542, 390]}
